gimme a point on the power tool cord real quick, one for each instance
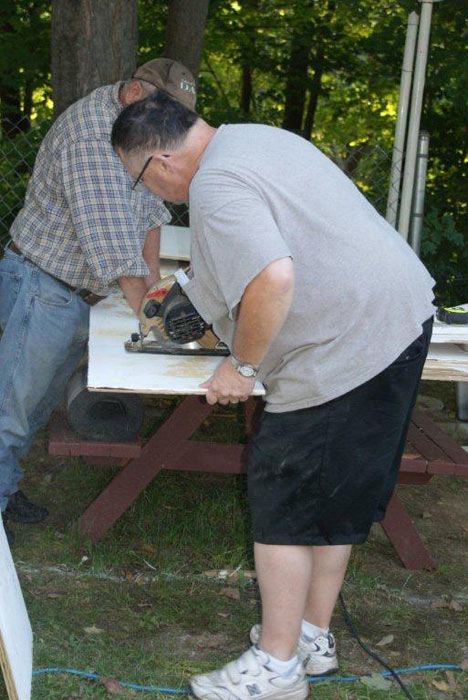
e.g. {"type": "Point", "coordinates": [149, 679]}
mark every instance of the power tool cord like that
{"type": "Point", "coordinates": [355, 634]}
{"type": "Point", "coordinates": [390, 672]}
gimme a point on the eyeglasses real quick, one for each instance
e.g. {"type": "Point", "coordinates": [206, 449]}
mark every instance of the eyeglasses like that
{"type": "Point", "coordinates": [142, 172]}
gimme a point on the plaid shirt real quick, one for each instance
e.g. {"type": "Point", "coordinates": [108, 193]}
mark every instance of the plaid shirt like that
{"type": "Point", "coordinates": [81, 222]}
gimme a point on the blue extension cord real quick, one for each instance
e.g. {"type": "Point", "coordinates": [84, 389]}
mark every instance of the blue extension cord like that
{"type": "Point", "coordinates": [187, 691]}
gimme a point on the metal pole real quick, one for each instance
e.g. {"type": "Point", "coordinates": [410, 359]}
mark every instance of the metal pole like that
{"type": "Point", "coordinates": [415, 117]}
{"type": "Point", "coordinates": [462, 401]}
{"type": "Point", "coordinates": [417, 210]}
{"type": "Point", "coordinates": [402, 118]}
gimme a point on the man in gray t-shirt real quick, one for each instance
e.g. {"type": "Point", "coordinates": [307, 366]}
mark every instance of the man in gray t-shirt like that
{"type": "Point", "coordinates": [317, 296]}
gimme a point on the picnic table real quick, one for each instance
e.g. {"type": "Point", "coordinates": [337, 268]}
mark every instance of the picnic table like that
{"type": "Point", "coordinates": [429, 451]}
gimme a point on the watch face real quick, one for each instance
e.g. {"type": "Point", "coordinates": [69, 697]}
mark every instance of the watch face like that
{"type": "Point", "coordinates": [246, 371]}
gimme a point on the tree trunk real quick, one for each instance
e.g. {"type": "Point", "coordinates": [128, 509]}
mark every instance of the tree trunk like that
{"type": "Point", "coordinates": [314, 93]}
{"type": "Point", "coordinates": [184, 33]}
{"type": "Point", "coordinates": [94, 43]}
{"type": "Point", "coordinates": [299, 59]}
{"type": "Point", "coordinates": [246, 92]}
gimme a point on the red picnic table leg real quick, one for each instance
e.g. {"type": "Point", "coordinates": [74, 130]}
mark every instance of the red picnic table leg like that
{"type": "Point", "coordinates": [164, 446]}
{"type": "Point", "coordinates": [168, 448]}
{"type": "Point", "coordinates": [404, 537]}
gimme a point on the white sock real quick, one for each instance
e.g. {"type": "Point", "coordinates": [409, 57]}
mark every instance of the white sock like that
{"type": "Point", "coordinates": [284, 668]}
{"type": "Point", "coordinates": [312, 631]}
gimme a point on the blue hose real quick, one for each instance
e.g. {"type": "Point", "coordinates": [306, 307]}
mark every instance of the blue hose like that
{"type": "Point", "coordinates": [187, 691]}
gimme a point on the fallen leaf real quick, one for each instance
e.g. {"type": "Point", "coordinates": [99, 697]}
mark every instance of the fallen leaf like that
{"type": "Point", "coordinates": [441, 685]}
{"type": "Point", "coordinates": [249, 574]}
{"type": "Point", "coordinates": [375, 680]}
{"type": "Point", "coordinates": [148, 548]}
{"type": "Point", "coordinates": [464, 665]}
{"type": "Point", "coordinates": [451, 679]}
{"type": "Point", "coordinates": [113, 686]}
{"type": "Point", "coordinates": [385, 640]}
{"type": "Point", "coordinates": [93, 630]}
{"type": "Point", "coordinates": [223, 614]}
{"type": "Point", "coordinates": [213, 573]}
{"type": "Point", "coordinates": [232, 593]}
{"type": "Point", "coordinates": [426, 514]}
{"type": "Point", "coordinates": [54, 595]}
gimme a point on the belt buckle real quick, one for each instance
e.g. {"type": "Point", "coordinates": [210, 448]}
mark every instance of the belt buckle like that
{"type": "Point", "coordinates": [86, 295]}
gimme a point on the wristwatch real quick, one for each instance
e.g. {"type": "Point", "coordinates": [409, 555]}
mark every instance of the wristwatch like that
{"type": "Point", "coordinates": [244, 369]}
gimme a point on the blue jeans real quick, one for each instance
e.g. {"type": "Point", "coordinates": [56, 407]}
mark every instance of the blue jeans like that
{"type": "Point", "coordinates": [45, 332]}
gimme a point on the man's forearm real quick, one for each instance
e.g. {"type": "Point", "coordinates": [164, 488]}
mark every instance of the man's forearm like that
{"type": "Point", "coordinates": [263, 310]}
{"type": "Point", "coordinates": [134, 289]}
{"type": "Point", "coordinates": [151, 255]}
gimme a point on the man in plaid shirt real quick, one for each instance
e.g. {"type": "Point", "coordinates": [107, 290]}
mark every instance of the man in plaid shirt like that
{"type": "Point", "coordinates": [83, 227]}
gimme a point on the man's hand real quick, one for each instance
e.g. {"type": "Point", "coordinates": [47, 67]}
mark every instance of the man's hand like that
{"type": "Point", "coordinates": [227, 385]}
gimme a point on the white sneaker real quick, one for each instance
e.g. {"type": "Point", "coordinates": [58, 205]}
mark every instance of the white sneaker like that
{"type": "Point", "coordinates": [250, 677]}
{"type": "Point", "coordinates": [318, 655]}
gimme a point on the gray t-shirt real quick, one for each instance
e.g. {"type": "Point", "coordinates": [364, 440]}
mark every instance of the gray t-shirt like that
{"type": "Point", "coordinates": [360, 295]}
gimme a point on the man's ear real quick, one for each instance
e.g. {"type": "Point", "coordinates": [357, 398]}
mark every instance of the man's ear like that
{"type": "Point", "coordinates": [164, 162]}
{"type": "Point", "coordinates": [133, 92]}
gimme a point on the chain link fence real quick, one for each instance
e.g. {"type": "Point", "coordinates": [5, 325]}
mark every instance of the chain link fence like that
{"type": "Point", "coordinates": [367, 164]}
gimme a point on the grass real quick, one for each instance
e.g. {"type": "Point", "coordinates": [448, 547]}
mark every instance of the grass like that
{"type": "Point", "coordinates": [138, 607]}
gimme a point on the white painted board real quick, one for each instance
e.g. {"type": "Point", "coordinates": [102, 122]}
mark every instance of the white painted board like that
{"type": "Point", "coordinates": [175, 243]}
{"type": "Point", "coordinates": [112, 368]}
{"type": "Point", "coordinates": [15, 628]}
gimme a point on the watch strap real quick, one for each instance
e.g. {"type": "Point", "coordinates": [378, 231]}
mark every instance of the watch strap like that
{"type": "Point", "coordinates": [240, 365]}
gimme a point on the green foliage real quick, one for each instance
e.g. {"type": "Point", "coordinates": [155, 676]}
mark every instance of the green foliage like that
{"type": "Point", "coordinates": [24, 50]}
{"type": "Point", "coordinates": [445, 253]}
{"type": "Point", "coordinates": [353, 52]}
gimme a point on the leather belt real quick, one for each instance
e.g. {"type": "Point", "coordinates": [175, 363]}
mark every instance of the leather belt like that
{"type": "Point", "coordinates": [89, 297]}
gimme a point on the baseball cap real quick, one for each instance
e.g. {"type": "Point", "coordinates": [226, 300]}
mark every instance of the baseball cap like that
{"type": "Point", "coordinates": [170, 76]}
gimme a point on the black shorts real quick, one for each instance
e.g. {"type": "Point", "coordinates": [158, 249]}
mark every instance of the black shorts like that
{"type": "Point", "coordinates": [323, 475]}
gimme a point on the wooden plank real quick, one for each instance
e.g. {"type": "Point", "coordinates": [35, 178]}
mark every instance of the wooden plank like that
{"type": "Point", "coordinates": [446, 443]}
{"type": "Point", "coordinates": [446, 362]}
{"type": "Point", "coordinates": [16, 641]}
{"type": "Point", "coordinates": [424, 445]}
{"type": "Point", "coordinates": [401, 532]}
{"type": "Point", "coordinates": [213, 457]}
{"type": "Point", "coordinates": [63, 441]}
{"type": "Point", "coordinates": [417, 466]}
{"type": "Point", "coordinates": [413, 478]}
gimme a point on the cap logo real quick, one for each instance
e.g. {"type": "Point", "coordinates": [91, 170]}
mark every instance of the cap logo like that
{"type": "Point", "coordinates": [187, 86]}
